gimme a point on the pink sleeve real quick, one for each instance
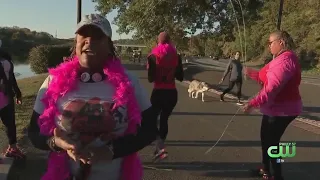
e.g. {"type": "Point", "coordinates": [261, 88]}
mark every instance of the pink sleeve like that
{"type": "Point", "coordinates": [278, 74]}
{"type": "Point", "coordinates": [252, 73]}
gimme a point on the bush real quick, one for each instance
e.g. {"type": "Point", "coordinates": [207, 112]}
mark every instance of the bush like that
{"type": "Point", "coordinates": [44, 56]}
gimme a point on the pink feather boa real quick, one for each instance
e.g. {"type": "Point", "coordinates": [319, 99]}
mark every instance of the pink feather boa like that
{"type": "Point", "coordinates": [162, 49]}
{"type": "Point", "coordinates": [64, 79]}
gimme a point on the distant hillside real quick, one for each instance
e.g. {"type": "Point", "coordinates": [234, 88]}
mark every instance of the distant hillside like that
{"type": "Point", "coordinates": [18, 41]}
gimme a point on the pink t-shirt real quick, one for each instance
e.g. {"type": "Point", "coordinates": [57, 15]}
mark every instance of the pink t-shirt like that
{"type": "Point", "coordinates": [276, 80]}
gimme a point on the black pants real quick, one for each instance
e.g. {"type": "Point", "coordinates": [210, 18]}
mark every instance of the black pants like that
{"type": "Point", "coordinates": [238, 83]}
{"type": "Point", "coordinates": [164, 101]}
{"type": "Point", "coordinates": [7, 115]}
{"type": "Point", "coordinates": [272, 129]}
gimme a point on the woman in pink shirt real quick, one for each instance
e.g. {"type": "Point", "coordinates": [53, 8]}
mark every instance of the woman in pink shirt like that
{"type": "Point", "coordinates": [279, 99]}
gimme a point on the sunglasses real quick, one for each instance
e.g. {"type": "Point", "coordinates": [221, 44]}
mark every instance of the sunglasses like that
{"type": "Point", "coordinates": [270, 42]}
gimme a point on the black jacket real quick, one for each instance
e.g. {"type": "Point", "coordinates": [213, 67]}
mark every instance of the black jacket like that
{"type": "Point", "coordinates": [11, 84]}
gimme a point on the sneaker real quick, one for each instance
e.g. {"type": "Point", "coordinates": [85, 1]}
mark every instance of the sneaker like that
{"type": "Point", "coordinates": [160, 155]}
{"type": "Point", "coordinates": [239, 103]}
{"type": "Point", "coordinates": [160, 152]}
{"type": "Point", "coordinates": [259, 172]}
{"type": "Point", "coordinates": [14, 152]}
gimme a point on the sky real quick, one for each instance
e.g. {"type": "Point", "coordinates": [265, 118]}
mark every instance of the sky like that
{"type": "Point", "coordinates": [49, 16]}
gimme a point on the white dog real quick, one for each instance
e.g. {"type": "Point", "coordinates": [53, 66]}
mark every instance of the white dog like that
{"type": "Point", "coordinates": [197, 87]}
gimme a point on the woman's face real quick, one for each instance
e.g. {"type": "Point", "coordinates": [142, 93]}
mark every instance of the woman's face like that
{"type": "Point", "coordinates": [275, 44]}
{"type": "Point", "coordinates": [92, 47]}
{"type": "Point", "coordinates": [237, 55]}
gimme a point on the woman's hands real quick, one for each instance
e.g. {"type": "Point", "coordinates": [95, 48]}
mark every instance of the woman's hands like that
{"type": "Point", "coordinates": [62, 141]}
{"type": "Point", "coordinates": [247, 108]}
{"type": "Point", "coordinates": [87, 155]}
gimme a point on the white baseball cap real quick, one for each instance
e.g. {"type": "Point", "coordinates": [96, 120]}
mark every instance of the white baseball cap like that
{"type": "Point", "coordinates": [98, 21]}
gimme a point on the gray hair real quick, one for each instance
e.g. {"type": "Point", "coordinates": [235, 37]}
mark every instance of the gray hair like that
{"type": "Point", "coordinates": [286, 38]}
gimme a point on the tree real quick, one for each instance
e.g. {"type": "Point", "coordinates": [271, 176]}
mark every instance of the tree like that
{"type": "Point", "coordinates": [38, 58]}
{"type": "Point", "coordinates": [180, 18]}
{"type": "Point", "coordinates": [196, 47]}
{"type": "Point", "coordinates": [43, 57]}
{"type": "Point", "coordinates": [19, 41]}
{"type": "Point", "coordinates": [149, 17]}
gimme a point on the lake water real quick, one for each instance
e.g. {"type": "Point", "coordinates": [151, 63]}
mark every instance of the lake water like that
{"type": "Point", "coordinates": [23, 71]}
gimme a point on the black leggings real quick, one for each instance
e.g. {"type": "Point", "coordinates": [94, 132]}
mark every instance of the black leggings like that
{"type": "Point", "coordinates": [7, 115]}
{"type": "Point", "coordinates": [164, 101]}
{"type": "Point", "coordinates": [238, 83]}
{"type": "Point", "coordinates": [272, 128]}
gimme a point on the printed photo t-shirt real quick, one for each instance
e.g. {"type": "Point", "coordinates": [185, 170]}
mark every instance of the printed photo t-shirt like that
{"type": "Point", "coordinates": [86, 114]}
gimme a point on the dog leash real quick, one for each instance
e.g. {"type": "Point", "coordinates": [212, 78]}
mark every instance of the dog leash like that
{"type": "Point", "coordinates": [224, 131]}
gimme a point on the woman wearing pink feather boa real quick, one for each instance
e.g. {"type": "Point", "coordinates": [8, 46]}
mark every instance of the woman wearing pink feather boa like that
{"type": "Point", "coordinates": [91, 114]}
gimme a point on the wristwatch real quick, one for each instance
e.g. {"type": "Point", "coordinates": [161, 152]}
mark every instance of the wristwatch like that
{"type": "Point", "coordinates": [52, 145]}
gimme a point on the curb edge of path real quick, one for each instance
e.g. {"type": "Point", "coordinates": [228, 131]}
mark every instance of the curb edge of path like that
{"type": "Point", "coordinates": [230, 96]}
